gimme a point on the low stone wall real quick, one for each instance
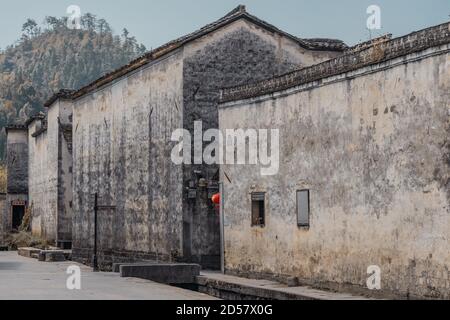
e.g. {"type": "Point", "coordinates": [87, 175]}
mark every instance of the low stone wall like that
{"type": "Point", "coordinates": [106, 258]}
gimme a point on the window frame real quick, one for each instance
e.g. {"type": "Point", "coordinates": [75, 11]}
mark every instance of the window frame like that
{"type": "Point", "coordinates": [299, 224]}
{"type": "Point", "coordinates": [254, 198]}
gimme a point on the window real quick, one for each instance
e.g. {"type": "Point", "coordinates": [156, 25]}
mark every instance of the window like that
{"type": "Point", "coordinates": [258, 214]}
{"type": "Point", "coordinates": [303, 208]}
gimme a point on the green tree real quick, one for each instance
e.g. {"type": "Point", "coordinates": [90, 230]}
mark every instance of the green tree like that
{"type": "Point", "coordinates": [60, 58]}
{"type": "Point", "coordinates": [30, 28]}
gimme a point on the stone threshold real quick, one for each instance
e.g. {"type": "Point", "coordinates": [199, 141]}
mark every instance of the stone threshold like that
{"type": "Point", "coordinates": [236, 288]}
{"type": "Point", "coordinates": [52, 255]}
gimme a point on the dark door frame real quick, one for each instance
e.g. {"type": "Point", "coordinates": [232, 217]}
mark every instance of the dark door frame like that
{"type": "Point", "coordinates": [17, 203]}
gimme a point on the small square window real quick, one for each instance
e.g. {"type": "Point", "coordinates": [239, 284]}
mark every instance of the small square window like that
{"type": "Point", "coordinates": [258, 209]}
{"type": "Point", "coordinates": [303, 208]}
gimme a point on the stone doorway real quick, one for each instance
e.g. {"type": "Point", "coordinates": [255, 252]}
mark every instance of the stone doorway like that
{"type": "Point", "coordinates": [18, 212]}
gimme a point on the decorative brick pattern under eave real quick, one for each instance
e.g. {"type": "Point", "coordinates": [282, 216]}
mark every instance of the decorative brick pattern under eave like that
{"type": "Point", "coordinates": [379, 51]}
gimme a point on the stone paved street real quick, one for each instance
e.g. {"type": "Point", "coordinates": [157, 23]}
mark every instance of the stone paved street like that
{"type": "Point", "coordinates": [27, 279]}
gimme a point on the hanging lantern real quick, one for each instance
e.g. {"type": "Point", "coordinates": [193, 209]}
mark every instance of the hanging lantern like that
{"type": "Point", "coordinates": [216, 199]}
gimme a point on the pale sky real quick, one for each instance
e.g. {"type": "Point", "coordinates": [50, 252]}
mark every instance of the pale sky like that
{"type": "Point", "coordinates": [155, 22]}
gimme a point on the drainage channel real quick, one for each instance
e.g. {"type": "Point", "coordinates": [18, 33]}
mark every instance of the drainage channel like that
{"type": "Point", "coordinates": [219, 292]}
{"type": "Point", "coordinates": [187, 276]}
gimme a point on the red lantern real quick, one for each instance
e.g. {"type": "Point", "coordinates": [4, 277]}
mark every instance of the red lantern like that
{"type": "Point", "coordinates": [216, 199]}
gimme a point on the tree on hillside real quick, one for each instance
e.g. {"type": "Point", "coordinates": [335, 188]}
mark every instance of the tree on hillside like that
{"type": "Point", "coordinates": [30, 28]}
{"type": "Point", "coordinates": [89, 21]}
{"type": "Point", "coordinates": [50, 57]}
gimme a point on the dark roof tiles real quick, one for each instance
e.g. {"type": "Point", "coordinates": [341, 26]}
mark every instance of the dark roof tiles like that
{"type": "Point", "coordinates": [237, 13]}
{"type": "Point", "coordinates": [61, 94]}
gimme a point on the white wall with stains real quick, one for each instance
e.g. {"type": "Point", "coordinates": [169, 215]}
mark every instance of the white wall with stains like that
{"type": "Point", "coordinates": [372, 146]}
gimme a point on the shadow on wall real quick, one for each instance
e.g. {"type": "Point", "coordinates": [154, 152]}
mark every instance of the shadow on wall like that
{"type": "Point", "coordinates": [3, 176]}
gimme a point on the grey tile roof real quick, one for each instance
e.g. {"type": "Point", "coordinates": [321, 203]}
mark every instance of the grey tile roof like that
{"type": "Point", "coordinates": [239, 12]}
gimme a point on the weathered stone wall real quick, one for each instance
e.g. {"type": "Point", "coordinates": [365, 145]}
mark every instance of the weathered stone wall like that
{"type": "Point", "coordinates": [3, 208]}
{"type": "Point", "coordinates": [372, 145]}
{"type": "Point", "coordinates": [41, 201]}
{"type": "Point", "coordinates": [363, 55]}
{"type": "Point", "coordinates": [16, 161]}
{"type": "Point", "coordinates": [236, 55]}
{"type": "Point", "coordinates": [17, 170]}
{"type": "Point", "coordinates": [65, 172]}
{"type": "Point", "coordinates": [122, 152]}
{"type": "Point", "coordinates": [122, 146]}
{"type": "Point", "coordinates": [51, 174]}
{"type": "Point", "coordinates": [50, 178]}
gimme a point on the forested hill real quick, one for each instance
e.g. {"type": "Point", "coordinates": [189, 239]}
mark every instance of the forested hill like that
{"type": "Point", "coordinates": [50, 57]}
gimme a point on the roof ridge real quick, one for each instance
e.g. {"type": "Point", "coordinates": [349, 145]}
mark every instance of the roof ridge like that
{"type": "Point", "coordinates": [61, 94]}
{"type": "Point", "coordinates": [239, 9]}
{"type": "Point", "coordinates": [237, 13]}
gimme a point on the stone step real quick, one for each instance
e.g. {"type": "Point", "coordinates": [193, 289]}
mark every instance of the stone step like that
{"type": "Point", "coordinates": [167, 273]}
{"type": "Point", "coordinates": [52, 256]}
{"type": "Point", "coordinates": [116, 266]}
{"type": "Point", "coordinates": [236, 288]}
{"type": "Point", "coordinates": [28, 252]}
{"type": "Point", "coordinates": [68, 254]}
